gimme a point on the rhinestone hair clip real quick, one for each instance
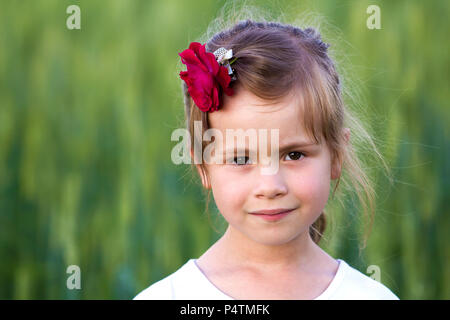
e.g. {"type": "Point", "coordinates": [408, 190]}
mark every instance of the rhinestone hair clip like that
{"type": "Point", "coordinates": [223, 57]}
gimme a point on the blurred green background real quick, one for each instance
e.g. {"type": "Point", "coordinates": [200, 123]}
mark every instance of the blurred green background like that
{"type": "Point", "coordinates": [86, 116]}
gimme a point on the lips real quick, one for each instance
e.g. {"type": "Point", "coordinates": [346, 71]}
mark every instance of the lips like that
{"type": "Point", "coordinates": [272, 211]}
{"type": "Point", "coordinates": [272, 215]}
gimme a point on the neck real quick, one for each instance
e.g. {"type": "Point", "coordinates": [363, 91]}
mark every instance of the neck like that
{"type": "Point", "coordinates": [237, 249]}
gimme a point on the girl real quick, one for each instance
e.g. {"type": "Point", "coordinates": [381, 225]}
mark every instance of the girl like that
{"type": "Point", "coordinates": [267, 75]}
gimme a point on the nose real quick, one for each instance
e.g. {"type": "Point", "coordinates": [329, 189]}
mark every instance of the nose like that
{"type": "Point", "coordinates": [270, 186]}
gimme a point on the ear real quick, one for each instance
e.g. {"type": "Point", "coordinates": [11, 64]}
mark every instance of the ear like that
{"type": "Point", "coordinates": [337, 163]}
{"type": "Point", "coordinates": [346, 135]}
{"type": "Point", "coordinates": [202, 173]}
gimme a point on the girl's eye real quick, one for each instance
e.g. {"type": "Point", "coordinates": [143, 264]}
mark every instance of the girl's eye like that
{"type": "Point", "coordinates": [241, 160]}
{"type": "Point", "coordinates": [295, 155]}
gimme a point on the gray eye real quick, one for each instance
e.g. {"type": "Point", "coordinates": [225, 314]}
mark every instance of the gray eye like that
{"type": "Point", "coordinates": [241, 160]}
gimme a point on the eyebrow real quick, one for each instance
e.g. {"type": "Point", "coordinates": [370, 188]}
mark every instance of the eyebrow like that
{"type": "Point", "coordinates": [283, 148]}
{"type": "Point", "coordinates": [299, 144]}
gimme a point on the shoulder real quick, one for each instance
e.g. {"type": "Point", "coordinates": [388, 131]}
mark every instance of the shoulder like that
{"type": "Point", "coordinates": [160, 290]}
{"type": "Point", "coordinates": [171, 287]}
{"type": "Point", "coordinates": [358, 286]}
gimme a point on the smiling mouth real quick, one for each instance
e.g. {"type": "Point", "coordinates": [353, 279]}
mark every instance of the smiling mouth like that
{"type": "Point", "coordinates": [272, 212]}
{"type": "Point", "coordinates": [272, 215]}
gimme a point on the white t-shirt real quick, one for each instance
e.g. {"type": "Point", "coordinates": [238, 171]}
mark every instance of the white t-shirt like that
{"type": "Point", "coordinates": [190, 283]}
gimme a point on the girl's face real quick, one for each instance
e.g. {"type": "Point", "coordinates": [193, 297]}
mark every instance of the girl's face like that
{"type": "Point", "coordinates": [302, 181]}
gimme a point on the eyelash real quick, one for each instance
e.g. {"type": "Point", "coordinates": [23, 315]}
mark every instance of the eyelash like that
{"type": "Point", "coordinates": [234, 162]}
{"type": "Point", "coordinates": [301, 153]}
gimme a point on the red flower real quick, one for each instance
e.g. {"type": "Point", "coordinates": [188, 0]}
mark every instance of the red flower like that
{"type": "Point", "coordinates": [205, 77]}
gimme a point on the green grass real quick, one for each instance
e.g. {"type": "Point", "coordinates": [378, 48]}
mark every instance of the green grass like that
{"type": "Point", "coordinates": [86, 116]}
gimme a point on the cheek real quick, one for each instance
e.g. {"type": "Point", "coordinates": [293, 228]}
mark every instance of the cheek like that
{"type": "Point", "coordinates": [230, 190]}
{"type": "Point", "coordinates": [311, 186]}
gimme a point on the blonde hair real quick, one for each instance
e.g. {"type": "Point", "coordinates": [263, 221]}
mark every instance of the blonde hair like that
{"type": "Point", "coordinates": [275, 60]}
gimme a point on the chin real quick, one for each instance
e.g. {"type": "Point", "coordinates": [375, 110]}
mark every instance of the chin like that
{"type": "Point", "coordinates": [275, 237]}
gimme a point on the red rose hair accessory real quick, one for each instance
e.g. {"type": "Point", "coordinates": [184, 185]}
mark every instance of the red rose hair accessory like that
{"type": "Point", "coordinates": [207, 75]}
